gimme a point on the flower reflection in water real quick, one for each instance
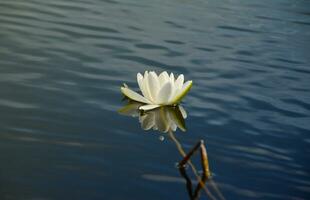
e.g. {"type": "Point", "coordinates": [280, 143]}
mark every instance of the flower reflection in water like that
{"type": "Point", "coordinates": [163, 119]}
{"type": "Point", "coordinates": [168, 119]}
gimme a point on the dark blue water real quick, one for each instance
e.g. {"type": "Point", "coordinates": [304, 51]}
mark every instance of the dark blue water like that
{"type": "Point", "coordinates": [62, 64]}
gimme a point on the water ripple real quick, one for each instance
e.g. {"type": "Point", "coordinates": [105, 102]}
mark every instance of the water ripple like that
{"type": "Point", "coordinates": [62, 63]}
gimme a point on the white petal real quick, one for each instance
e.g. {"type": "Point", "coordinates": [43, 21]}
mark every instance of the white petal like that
{"type": "Point", "coordinates": [172, 77]}
{"type": "Point", "coordinates": [174, 91]}
{"type": "Point", "coordinates": [134, 96]}
{"type": "Point", "coordinates": [163, 78]}
{"type": "Point", "coordinates": [179, 82]}
{"type": "Point", "coordinates": [146, 88]}
{"type": "Point", "coordinates": [172, 80]}
{"type": "Point", "coordinates": [140, 81]}
{"type": "Point", "coordinates": [145, 73]}
{"type": "Point", "coordinates": [141, 85]}
{"type": "Point", "coordinates": [153, 85]}
{"type": "Point", "coordinates": [185, 89]}
{"type": "Point", "coordinates": [149, 107]}
{"type": "Point", "coordinates": [164, 94]}
{"type": "Point", "coordinates": [139, 78]}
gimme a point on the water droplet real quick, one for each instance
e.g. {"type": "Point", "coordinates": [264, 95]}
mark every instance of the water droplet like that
{"type": "Point", "coordinates": [161, 138]}
{"type": "Point", "coordinates": [185, 166]}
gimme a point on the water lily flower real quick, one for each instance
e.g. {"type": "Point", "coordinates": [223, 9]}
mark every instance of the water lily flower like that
{"type": "Point", "coordinates": [158, 90]}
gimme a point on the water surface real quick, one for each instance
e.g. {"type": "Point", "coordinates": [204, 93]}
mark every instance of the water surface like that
{"type": "Point", "coordinates": [61, 65]}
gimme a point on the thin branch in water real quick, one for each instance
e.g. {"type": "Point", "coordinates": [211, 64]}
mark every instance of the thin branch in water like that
{"type": "Point", "coordinates": [189, 154]}
{"type": "Point", "coordinates": [205, 166]}
{"type": "Point", "coordinates": [204, 160]}
{"type": "Point", "coordinates": [182, 152]}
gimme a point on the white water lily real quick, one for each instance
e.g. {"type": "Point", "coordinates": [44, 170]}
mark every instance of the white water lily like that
{"type": "Point", "coordinates": [158, 90]}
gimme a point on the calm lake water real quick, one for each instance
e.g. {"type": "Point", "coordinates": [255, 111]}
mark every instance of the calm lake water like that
{"type": "Point", "coordinates": [62, 64]}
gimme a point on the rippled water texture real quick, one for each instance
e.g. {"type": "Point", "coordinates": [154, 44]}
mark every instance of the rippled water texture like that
{"type": "Point", "coordinates": [61, 65]}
